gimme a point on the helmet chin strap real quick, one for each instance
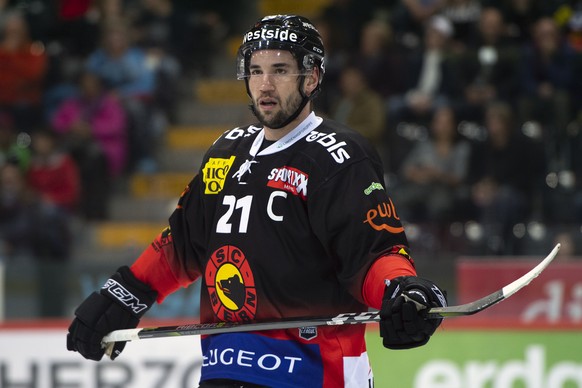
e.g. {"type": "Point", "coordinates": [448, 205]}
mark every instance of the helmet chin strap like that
{"type": "Point", "coordinates": [293, 116]}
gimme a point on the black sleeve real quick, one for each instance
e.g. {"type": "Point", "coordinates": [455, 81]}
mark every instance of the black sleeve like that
{"type": "Point", "coordinates": [355, 220]}
{"type": "Point", "coordinates": [187, 228]}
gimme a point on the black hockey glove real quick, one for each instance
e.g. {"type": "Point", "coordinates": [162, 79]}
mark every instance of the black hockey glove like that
{"type": "Point", "coordinates": [406, 301]}
{"type": "Point", "coordinates": [120, 304]}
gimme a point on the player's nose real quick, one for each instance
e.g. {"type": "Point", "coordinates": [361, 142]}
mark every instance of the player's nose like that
{"type": "Point", "coordinates": [267, 82]}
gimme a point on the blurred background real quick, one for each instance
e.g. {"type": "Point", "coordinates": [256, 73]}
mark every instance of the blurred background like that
{"type": "Point", "coordinates": [106, 108]}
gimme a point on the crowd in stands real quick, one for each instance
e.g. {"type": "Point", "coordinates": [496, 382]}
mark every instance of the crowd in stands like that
{"type": "Point", "coordinates": [87, 89]}
{"type": "Point", "coordinates": [475, 106]}
{"type": "Point", "coordinates": [104, 76]}
{"type": "Point", "coordinates": [482, 111]}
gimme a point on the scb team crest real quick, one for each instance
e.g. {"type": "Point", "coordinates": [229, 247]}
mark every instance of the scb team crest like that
{"type": "Point", "coordinates": [231, 285]}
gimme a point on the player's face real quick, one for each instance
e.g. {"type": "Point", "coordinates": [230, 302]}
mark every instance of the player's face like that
{"type": "Point", "coordinates": [273, 83]}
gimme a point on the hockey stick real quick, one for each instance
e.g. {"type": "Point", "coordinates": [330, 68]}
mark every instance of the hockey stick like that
{"type": "Point", "coordinates": [342, 319]}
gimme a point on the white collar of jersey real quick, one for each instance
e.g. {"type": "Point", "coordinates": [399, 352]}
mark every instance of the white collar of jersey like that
{"type": "Point", "coordinates": [310, 123]}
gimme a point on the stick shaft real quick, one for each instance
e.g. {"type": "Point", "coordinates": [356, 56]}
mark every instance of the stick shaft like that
{"type": "Point", "coordinates": [342, 319]}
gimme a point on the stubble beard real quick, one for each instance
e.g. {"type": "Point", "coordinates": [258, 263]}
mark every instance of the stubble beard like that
{"type": "Point", "coordinates": [277, 119]}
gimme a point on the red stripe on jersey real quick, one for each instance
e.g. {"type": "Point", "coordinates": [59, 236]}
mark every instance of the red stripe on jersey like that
{"type": "Point", "coordinates": [152, 268]}
{"type": "Point", "coordinates": [386, 267]}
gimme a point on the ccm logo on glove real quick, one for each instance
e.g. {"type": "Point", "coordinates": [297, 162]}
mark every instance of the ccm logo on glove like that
{"type": "Point", "coordinates": [125, 297]}
{"type": "Point", "coordinates": [120, 304]}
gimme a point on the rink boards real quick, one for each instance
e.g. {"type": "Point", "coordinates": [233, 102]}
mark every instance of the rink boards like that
{"type": "Point", "coordinates": [454, 358]}
{"type": "Point", "coordinates": [531, 340]}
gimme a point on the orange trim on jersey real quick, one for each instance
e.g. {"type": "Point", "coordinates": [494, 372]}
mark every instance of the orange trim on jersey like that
{"type": "Point", "coordinates": [386, 267]}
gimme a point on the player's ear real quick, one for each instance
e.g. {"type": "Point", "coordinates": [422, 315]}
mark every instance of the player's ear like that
{"type": "Point", "coordinates": [311, 81]}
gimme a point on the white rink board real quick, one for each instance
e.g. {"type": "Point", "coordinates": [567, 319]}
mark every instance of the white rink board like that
{"type": "Point", "coordinates": [39, 358]}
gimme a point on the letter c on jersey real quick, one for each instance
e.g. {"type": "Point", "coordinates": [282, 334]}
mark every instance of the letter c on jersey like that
{"type": "Point", "coordinates": [270, 212]}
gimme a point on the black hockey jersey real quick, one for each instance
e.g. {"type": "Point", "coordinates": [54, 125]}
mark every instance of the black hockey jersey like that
{"type": "Point", "coordinates": [279, 230]}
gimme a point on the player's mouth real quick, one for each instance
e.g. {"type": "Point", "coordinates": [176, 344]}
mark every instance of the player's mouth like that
{"type": "Point", "coordinates": [268, 103]}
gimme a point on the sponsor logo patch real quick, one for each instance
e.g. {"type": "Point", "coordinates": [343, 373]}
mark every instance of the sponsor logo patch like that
{"type": "Point", "coordinates": [231, 285]}
{"type": "Point", "coordinates": [215, 172]}
{"type": "Point", "coordinates": [384, 217]}
{"type": "Point", "coordinates": [263, 360]}
{"type": "Point", "coordinates": [289, 179]}
{"type": "Point", "coordinates": [372, 187]}
{"type": "Point", "coordinates": [331, 144]}
{"type": "Point", "coordinates": [269, 33]}
{"type": "Point", "coordinates": [308, 332]}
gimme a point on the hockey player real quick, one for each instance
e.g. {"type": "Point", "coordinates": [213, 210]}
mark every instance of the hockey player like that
{"type": "Point", "coordinates": [286, 218]}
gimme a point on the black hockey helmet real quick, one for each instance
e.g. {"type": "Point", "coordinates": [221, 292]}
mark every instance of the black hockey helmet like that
{"type": "Point", "coordinates": [292, 33]}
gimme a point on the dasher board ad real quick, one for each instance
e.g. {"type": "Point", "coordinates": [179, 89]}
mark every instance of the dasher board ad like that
{"type": "Point", "coordinates": [482, 359]}
{"type": "Point", "coordinates": [38, 358]}
{"type": "Point", "coordinates": [454, 358]}
{"type": "Point", "coordinates": [553, 299]}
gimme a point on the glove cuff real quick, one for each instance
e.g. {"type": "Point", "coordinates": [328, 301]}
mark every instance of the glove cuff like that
{"type": "Point", "coordinates": [129, 292]}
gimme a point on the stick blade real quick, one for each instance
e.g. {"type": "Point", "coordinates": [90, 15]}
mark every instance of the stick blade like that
{"type": "Point", "coordinates": [496, 297]}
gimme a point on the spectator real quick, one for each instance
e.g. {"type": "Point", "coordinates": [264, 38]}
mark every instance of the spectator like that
{"type": "Point", "coordinates": [359, 106]}
{"type": "Point", "coordinates": [336, 58]}
{"type": "Point", "coordinates": [121, 65]}
{"type": "Point", "coordinates": [430, 83]}
{"type": "Point", "coordinates": [16, 203]}
{"type": "Point", "coordinates": [53, 178]}
{"type": "Point", "coordinates": [505, 176]}
{"type": "Point", "coordinates": [562, 199]}
{"type": "Point", "coordinates": [95, 114]}
{"type": "Point", "coordinates": [549, 80]}
{"type": "Point", "coordinates": [433, 173]}
{"type": "Point", "coordinates": [410, 16]}
{"type": "Point", "coordinates": [112, 11]}
{"type": "Point", "coordinates": [380, 59]}
{"type": "Point", "coordinates": [487, 68]}
{"type": "Point", "coordinates": [13, 148]}
{"type": "Point", "coordinates": [160, 28]}
{"type": "Point", "coordinates": [124, 69]}
{"type": "Point", "coordinates": [160, 23]}
{"type": "Point", "coordinates": [430, 80]}
{"type": "Point", "coordinates": [210, 23]}
{"type": "Point", "coordinates": [520, 16]}
{"type": "Point", "coordinates": [23, 65]}
{"type": "Point", "coordinates": [36, 228]}
{"type": "Point", "coordinates": [53, 174]}
{"type": "Point", "coordinates": [94, 129]}
{"type": "Point", "coordinates": [349, 17]}
{"type": "Point", "coordinates": [76, 29]}
{"type": "Point", "coordinates": [74, 38]}
{"type": "Point", "coordinates": [573, 23]}
{"type": "Point", "coordinates": [464, 16]}
{"type": "Point", "coordinates": [39, 15]}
